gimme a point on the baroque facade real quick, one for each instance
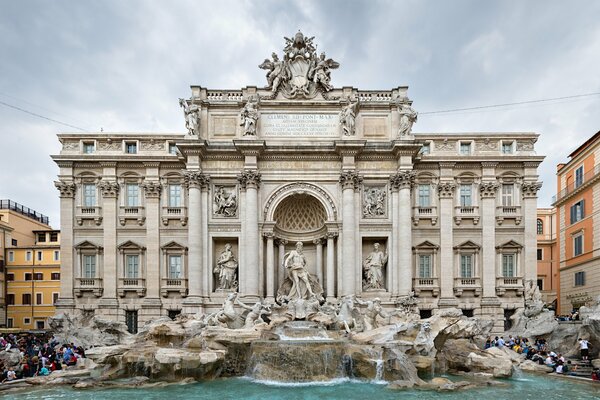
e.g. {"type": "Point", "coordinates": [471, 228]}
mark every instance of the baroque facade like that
{"type": "Point", "coordinates": [160, 224]}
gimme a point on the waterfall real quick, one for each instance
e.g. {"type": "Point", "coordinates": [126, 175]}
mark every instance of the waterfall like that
{"type": "Point", "coordinates": [378, 370]}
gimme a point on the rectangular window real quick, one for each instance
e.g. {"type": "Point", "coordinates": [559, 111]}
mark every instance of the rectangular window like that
{"type": "Point", "coordinates": [580, 278]}
{"type": "Point", "coordinates": [507, 147]}
{"type": "Point", "coordinates": [88, 147]}
{"type": "Point", "coordinates": [89, 195]}
{"type": "Point", "coordinates": [508, 265]}
{"type": "Point", "coordinates": [579, 177]}
{"type": "Point", "coordinates": [56, 255]}
{"type": "Point", "coordinates": [132, 264]}
{"type": "Point", "coordinates": [54, 236]}
{"type": "Point", "coordinates": [40, 256]}
{"type": "Point", "coordinates": [465, 196]}
{"type": "Point", "coordinates": [89, 266]}
{"type": "Point", "coordinates": [28, 276]}
{"type": "Point", "coordinates": [424, 195]}
{"type": "Point", "coordinates": [578, 245]}
{"type": "Point", "coordinates": [10, 323]}
{"type": "Point", "coordinates": [26, 321]}
{"type": "Point", "coordinates": [10, 277]}
{"type": "Point", "coordinates": [13, 242]}
{"type": "Point", "coordinates": [26, 299]}
{"type": "Point", "coordinates": [54, 298]}
{"type": "Point", "coordinates": [540, 284]}
{"type": "Point", "coordinates": [577, 211]}
{"type": "Point", "coordinates": [175, 267]}
{"type": "Point", "coordinates": [172, 148]}
{"type": "Point", "coordinates": [174, 195]}
{"type": "Point", "coordinates": [465, 148]}
{"type": "Point", "coordinates": [132, 195]}
{"type": "Point", "coordinates": [10, 299]}
{"type": "Point", "coordinates": [28, 256]}
{"type": "Point", "coordinates": [507, 195]}
{"type": "Point", "coordinates": [38, 276]}
{"type": "Point", "coordinates": [41, 237]}
{"type": "Point", "coordinates": [55, 276]}
{"type": "Point", "coordinates": [426, 149]}
{"type": "Point", "coordinates": [39, 325]}
{"type": "Point", "coordinates": [466, 265]}
{"type": "Point", "coordinates": [11, 256]}
{"type": "Point", "coordinates": [131, 147]}
{"type": "Point", "coordinates": [540, 254]}
{"type": "Point", "coordinates": [38, 299]}
{"type": "Point", "coordinates": [425, 266]}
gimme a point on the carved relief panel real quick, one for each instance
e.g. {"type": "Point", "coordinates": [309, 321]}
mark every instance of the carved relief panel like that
{"type": "Point", "coordinates": [374, 202]}
{"type": "Point", "coordinates": [225, 201]}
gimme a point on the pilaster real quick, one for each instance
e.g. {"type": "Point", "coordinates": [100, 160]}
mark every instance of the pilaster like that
{"type": "Point", "coordinates": [66, 300]}
{"type": "Point", "coordinates": [446, 195]}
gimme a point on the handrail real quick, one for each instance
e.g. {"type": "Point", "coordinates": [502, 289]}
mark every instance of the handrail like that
{"type": "Point", "coordinates": [571, 187]}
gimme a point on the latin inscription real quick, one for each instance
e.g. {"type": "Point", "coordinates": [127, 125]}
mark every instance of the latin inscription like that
{"type": "Point", "coordinates": [299, 124]}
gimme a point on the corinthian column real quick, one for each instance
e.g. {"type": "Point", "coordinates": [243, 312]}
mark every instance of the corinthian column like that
{"type": "Point", "coordinates": [404, 181]}
{"type": "Point", "coordinates": [446, 194]}
{"type": "Point", "coordinates": [488, 191]}
{"type": "Point", "coordinates": [270, 265]}
{"type": "Point", "coordinates": [250, 271]}
{"type": "Point", "coordinates": [152, 192]}
{"type": "Point", "coordinates": [330, 278]}
{"type": "Point", "coordinates": [347, 269]}
{"type": "Point", "coordinates": [67, 192]}
{"type": "Point", "coordinates": [110, 192]}
{"type": "Point", "coordinates": [529, 192]}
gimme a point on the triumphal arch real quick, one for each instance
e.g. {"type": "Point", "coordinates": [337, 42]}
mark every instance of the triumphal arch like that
{"type": "Point", "coordinates": [297, 190]}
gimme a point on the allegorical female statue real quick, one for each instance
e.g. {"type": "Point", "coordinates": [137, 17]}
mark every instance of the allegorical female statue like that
{"type": "Point", "coordinates": [226, 270]}
{"type": "Point", "coordinates": [373, 269]}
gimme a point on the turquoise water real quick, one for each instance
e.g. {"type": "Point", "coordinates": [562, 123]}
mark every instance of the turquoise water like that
{"type": "Point", "coordinates": [524, 388]}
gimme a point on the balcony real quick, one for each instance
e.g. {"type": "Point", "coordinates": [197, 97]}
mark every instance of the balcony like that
{"type": "Point", "coordinates": [426, 285]}
{"type": "Point", "coordinates": [429, 212]}
{"type": "Point", "coordinates": [505, 283]}
{"type": "Point", "coordinates": [132, 212]}
{"type": "Point", "coordinates": [137, 285]}
{"type": "Point", "coordinates": [508, 212]}
{"type": "Point", "coordinates": [173, 285]}
{"type": "Point", "coordinates": [93, 285]}
{"type": "Point", "coordinates": [467, 284]}
{"type": "Point", "coordinates": [178, 213]}
{"type": "Point", "coordinates": [575, 186]}
{"type": "Point", "coordinates": [92, 213]}
{"type": "Point", "coordinates": [466, 212]}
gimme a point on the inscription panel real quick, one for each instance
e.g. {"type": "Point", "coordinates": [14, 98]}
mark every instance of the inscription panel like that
{"type": "Point", "coordinates": [314, 124]}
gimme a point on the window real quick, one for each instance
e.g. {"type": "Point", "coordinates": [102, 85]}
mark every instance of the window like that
{"type": "Point", "coordinates": [507, 147]}
{"type": "Point", "coordinates": [174, 195]}
{"type": "Point", "coordinates": [28, 276]}
{"type": "Point", "coordinates": [132, 195]}
{"type": "Point", "coordinates": [89, 195]}
{"type": "Point", "coordinates": [41, 237]}
{"type": "Point", "coordinates": [54, 298]}
{"type": "Point", "coordinates": [580, 278]}
{"type": "Point", "coordinates": [13, 242]}
{"type": "Point", "coordinates": [10, 323]}
{"type": "Point", "coordinates": [26, 321]}
{"type": "Point", "coordinates": [28, 256]}
{"type": "Point", "coordinates": [89, 266]}
{"type": "Point", "coordinates": [172, 148]}
{"type": "Point", "coordinates": [508, 265]}
{"type": "Point", "coordinates": [132, 263]}
{"type": "Point", "coordinates": [39, 299]}
{"type": "Point", "coordinates": [38, 276]}
{"type": "Point", "coordinates": [88, 147]}
{"type": "Point", "coordinates": [540, 284]}
{"type": "Point", "coordinates": [10, 277]}
{"type": "Point", "coordinates": [424, 195]}
{"type": "Point", "coordinates": [55, 276]}
{"type": "Point", "coordinates": [540, 254]}
{"type": "Point", "coordinates": [39, 325]}
{"type": "Point", "coordinates": [425, 266]}
{"type": "Point", "coordinates": [11, 256]}
{"type": "Point", "coordinates": [26, 299]}
{"type": "Point", "coordinates": [10, 299]}
{"type": "Point", "coordinates": [131, 147]}
{"type": "Point", "coordinates": [56, 255]}
{"type": "Point", "coordinates": [578, 245]}
{"type": "Point", "coordinates": [131, 320]}
{"type": "Point", "coordinates": [466, 265]}
{"type": "Point", "coordinates": [507, 195]}
{"type": "Point", "coordinates": [577, 211]}
{"type": "Point", "coordinates": [579, 177]}
{"type": "Point", "coordinates": [175, 267]}
{"type": "Point", "coordinates": [54, 236]}
{"type": "Point", "coordinates": [540, 227]}
{"type": "Point", "coordinates": [426, 148]}
{"type": "Point", "coordinates": [465, 195]}
{"type": "Point", "coordinates": [40, 256]}
{"type": "Point", "coordinates": [465, 148]}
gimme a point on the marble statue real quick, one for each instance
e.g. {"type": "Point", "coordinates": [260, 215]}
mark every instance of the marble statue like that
{"type": "Point", "coordinates": [374, 202]}
{"type": "Point", "coordinates": [225, 202]}
{"type": "Point", "coordinates": [348, 118]}
{"type": "Point", "coordinates": [532, 291]}
{"type": "Point", "coordinates": [408, 116]}
{"type": "Point", "coordinates": [320, 72]}
{"type": "Point", "coordinates": [407, 305]}
{"type": "Point", "coordinates": [300, 45]}
{"type": "Point", "coordinates": [373, 269]}
{"type": "Point", "coordinates": [347, 313]}
{"type": "Point", "coordinates": [249, 116]}
{"type": "Point", "coordinates": [371, 313]}
{"type": "Point", "coordinates": [299, 284]}
{"type": "Point", "coordinates": [191, 113]}
{"type": "Point", "coordinates": [278, 72]}
{"type": "Point", "coordinates": [255, 313]}
{"type": "Point", "coordinates": [226, 270]}
{"type": "Point", "coordinates": [225, 317]}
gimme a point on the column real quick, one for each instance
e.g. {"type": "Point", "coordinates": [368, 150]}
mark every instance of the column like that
{"type": "Point", "coordinates": [249, 273]}
{"type": "Point", "coordinates": [488, 191]}
{"type": "Point", "coordinates": [110, 192]}
{"type": "Point", "coordinates": [330, 265]}
{"type": "Point", "coordinates": [529, 263]}
{"type": "Point", "coordinates": [446, 195]}
{"type": "Point", "coordinates": [347, 269]}
{"type": "Point", "coordinates": [205, 263]}
{"type": "Point", "coordinates": [270, 265]}
{"type": "Point", "coordinates": [152, 192]}
{"type": "Point", "coordinates": [67, 192]}
{"type": "Point", "coordinates": [404, 181]}
{"type": "Point", "coordinates": [319, 259]}
{"type": "Point", "coordinates": [280, 268]}
{"type": "Point", "coordinates": [393, 245]}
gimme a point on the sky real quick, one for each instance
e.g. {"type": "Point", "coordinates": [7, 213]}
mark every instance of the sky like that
{"type": "Point", "coordinates": [122, 65]}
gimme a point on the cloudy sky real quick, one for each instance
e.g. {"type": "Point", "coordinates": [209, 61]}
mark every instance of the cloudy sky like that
{"type": "Point", "coordinates": [121, 65]}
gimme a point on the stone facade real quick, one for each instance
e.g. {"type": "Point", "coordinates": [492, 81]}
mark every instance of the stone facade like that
{"type": "Point", "coordinates": [146, 217]}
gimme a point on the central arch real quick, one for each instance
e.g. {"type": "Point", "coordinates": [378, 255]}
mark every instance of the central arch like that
{"type": "Point", "coordinates": [300, 188]}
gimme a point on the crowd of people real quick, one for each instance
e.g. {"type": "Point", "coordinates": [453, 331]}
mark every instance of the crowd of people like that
{"type": "Point", "coordinates": [39, 355]}
{"type": "Point", "coordinates": [573, 316]}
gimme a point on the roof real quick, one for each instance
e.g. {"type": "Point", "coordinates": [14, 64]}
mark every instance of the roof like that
{"type": "Point", "coordinates": [585, 144]}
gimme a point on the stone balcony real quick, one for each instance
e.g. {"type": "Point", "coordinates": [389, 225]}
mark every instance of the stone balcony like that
{"type": "Point", "coordinates": [429, 212]}
{"type": "Point", "coordinates": [174, 213]}
{"type": "Point", "coordinates": [93, 285]}
{"type": "Point", "coordinates": [466, 212]}
{"type": "Point", "coordinates": [91, 213]}
{"type": "Point", "coordinates": [137, 285]}
{"type": "Point", "coordinates": [505, 284]}
{"type": "Point", "coordinates": [462, 285]}
{"type": "Point", "coordinates": [508, 212]}
{"type": "Point", "coordinates": [136, 213]}
{"type": "Point", "coordinates": [426, 285]}
{"type": "Point", "coordinates": [173, 285]}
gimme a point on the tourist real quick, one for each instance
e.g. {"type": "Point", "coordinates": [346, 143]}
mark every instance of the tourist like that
{"type": "Point", "coordinates": [596, 374]}
{"type": "Point", "coordinates": [11, 375]}
{"type": "Point", "coordinates": [584, 346]}
{"type": "Point", "coordinates": [559, 368]}
{"type": "Point", "coordinates": [500, 342]}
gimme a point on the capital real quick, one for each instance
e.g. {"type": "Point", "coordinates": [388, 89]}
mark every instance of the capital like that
{"type": "Point", "coordinates": [446, 189]}
{"type": "Point", "coordinates": [350, 180]}
{"type": "Point", "coordinates": [530, 189]}
{"type": "Point", "coordinates": [249, 178]}
{"type": "Point", "coordinates": [488, 189]}
{"type": "Point", "coordinates": [151, 189]}
{"type": "Point", "coordinates": [403, 180]}
{"type": "Point", "coordinates": [195, 179]}
{"type": "Point", "coordinates": [108, 188]}
{"type": "Point", "coordinates": [66, 189]}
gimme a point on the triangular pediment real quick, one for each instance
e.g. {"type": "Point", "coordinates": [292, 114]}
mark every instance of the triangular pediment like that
{"type": "Point", "coordinates": [426, 245]}
{"type": "Point", "coordinates": [130, 245]}
{"type": "Point", "coordinates": [511, 244]}
{"type": "Point", "coordinates": [467, 245]}
{"type": "Point", "coordinates": [86, 244]}
{"type": "Point", "coordinates": [173, 245]}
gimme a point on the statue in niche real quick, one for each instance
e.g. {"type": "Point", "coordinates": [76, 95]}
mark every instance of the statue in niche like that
{"type": "Point", "coordinates": [249, 116]}
{"type": "Point", "coordinates": [191, 113]}
{"type": "Point", "coordinates": [348, 118]}
{"type": "Point", "coordinates": [373, 269]}
{"type": "Point", "coordinates": [320, 72]}
{"type": "Point", "coordinates": [226, 270]}
{"type": "Point", "coordinates": [374, 202]}
{"type": "Point", "coordinates": [278, 72]}
{"type": "Point", "coordinates": [225, 202]}
{"type": "Point", "coordinates": [371, 313]}
{"type": "Point", "coordinates": [408, 116]}
{"type": "Point", "coordinates": [299, 284]}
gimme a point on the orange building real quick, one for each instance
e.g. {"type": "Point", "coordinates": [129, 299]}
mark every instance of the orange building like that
{"type": "Point", "coordinates": [578, 240]}
{"type": "Point", "coordinates": [547, 254]}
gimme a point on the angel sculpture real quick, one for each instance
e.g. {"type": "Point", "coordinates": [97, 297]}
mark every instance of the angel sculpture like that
{"type": "Point", "coordinates": [277, 72]}
{"type": "Point", "coordinates": [320, 72]}
{"type": "Point", "coordinates": [192, 116]}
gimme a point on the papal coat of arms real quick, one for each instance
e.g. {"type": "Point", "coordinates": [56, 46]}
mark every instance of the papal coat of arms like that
{"type": "Point", "coordinates": [301, 73]}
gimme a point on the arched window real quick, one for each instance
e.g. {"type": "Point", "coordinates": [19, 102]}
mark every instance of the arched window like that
{"type": "Point", "coordinates": [540, 227]}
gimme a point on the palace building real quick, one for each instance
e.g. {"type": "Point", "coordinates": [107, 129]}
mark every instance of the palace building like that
{"type": "Point", "coordinates": [159, 224]}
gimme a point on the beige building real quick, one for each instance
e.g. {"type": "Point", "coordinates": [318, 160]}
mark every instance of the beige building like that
{"type": "Point", "coordinates": [159, 224]}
